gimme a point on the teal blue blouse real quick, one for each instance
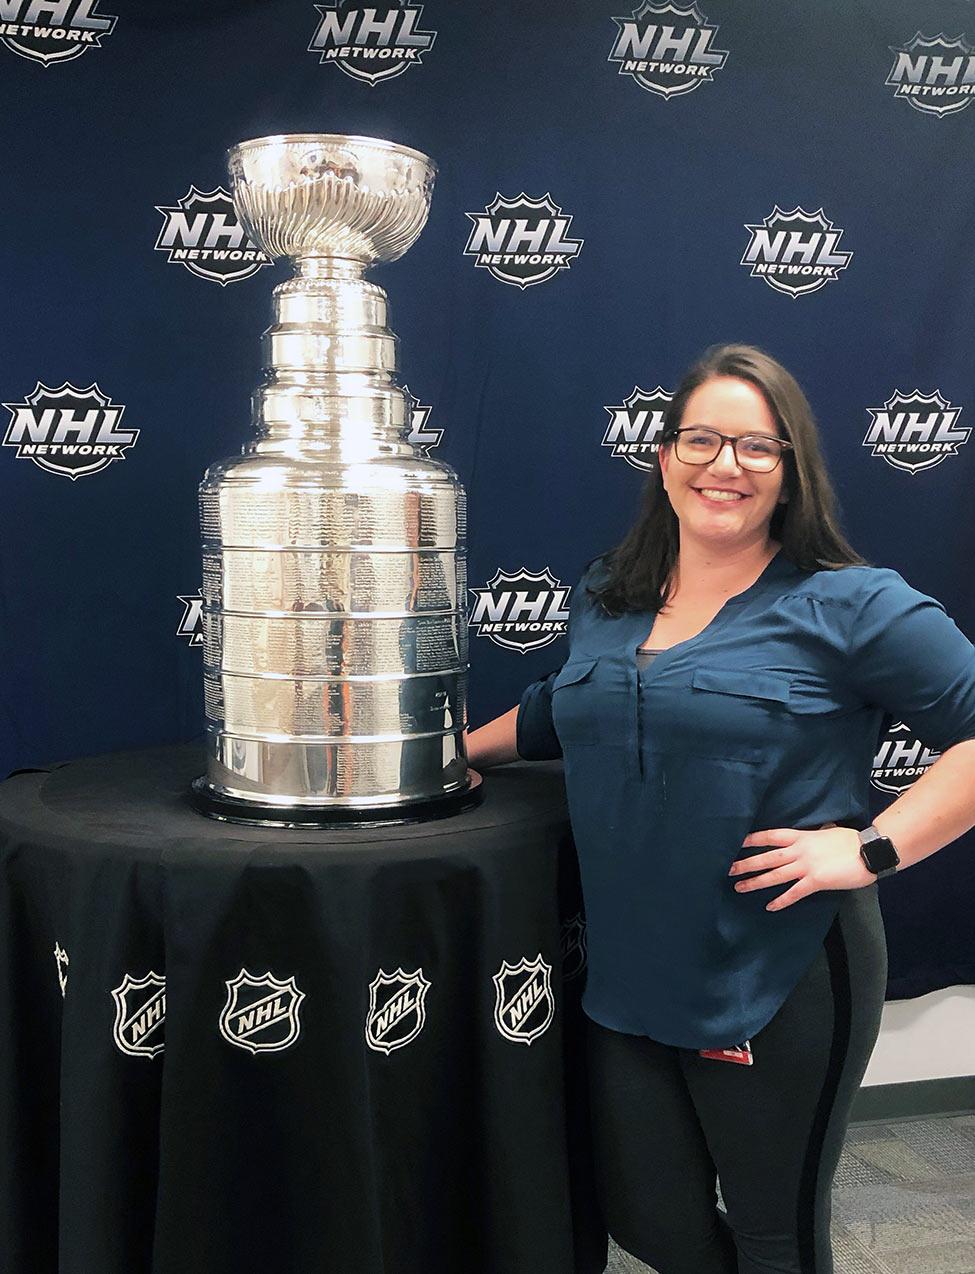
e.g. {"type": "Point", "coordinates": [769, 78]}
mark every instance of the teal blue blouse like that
{"type": "Point", "coordinates": [768, 718]}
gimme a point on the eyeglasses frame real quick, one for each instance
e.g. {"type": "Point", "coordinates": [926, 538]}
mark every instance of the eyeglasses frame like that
{"type": "Point", "coordinates": [672, 434]}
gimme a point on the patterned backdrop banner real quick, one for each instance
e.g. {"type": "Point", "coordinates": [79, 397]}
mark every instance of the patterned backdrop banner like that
{"type": "Point", "coordinates": [619, 188]}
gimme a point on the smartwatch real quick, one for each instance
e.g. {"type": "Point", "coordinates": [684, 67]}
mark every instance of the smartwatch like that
{"type": "Point", "coordinates": [878, 852]}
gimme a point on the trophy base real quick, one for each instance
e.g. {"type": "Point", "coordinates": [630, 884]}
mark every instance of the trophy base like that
{"type": "Point", "coordinates": [232, 809]}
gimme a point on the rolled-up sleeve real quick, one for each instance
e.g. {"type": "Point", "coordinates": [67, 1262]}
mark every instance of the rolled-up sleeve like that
{"type": "Point", "coordinates": [536, 739]}
{"type": "Point", "coordinates": [909, 657]}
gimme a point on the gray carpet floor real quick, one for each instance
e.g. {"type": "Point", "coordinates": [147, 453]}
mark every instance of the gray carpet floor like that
{"type": "Point", "coordinates": [903, 1200]}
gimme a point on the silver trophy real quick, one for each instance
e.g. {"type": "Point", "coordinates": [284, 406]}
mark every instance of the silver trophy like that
{"type": "Point", "coordinates": [334, 571]}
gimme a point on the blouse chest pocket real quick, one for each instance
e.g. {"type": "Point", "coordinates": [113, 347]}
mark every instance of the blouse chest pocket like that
{"type": "Point", "coordinates": [591, 702]}
{"type": "Point", "coordinates": [745, 683]}
{"type": "Point", "coordinates": [736, 713]}
{"type": "Point", "coordinates": [802, 693]}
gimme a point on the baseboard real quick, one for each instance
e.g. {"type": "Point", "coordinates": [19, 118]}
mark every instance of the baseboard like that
{"type": "Point", "coordinates": [916, 1100]}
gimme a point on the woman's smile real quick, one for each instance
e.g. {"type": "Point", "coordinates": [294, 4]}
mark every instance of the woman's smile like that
{"type": "Point", "coordinates": [720, 495]}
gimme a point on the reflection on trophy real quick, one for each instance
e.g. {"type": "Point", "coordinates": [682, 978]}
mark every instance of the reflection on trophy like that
{"type": "Point", "coordinates": [334, 575]}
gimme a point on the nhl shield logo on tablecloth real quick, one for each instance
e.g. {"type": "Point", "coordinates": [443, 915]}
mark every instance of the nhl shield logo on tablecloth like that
{"type": "Point", "coordinates": [61, 961]}
{"type": "Point", "coordinates": [573, 947]}
{"type": "Point", "coordinates": [524, 1004]}
{"type": "Point", "coordinates": [140, 1015]}
{"type": "Point", "coordinates": [261, 1013]}
{"type": "Point", "coordinates": [396, 1009]}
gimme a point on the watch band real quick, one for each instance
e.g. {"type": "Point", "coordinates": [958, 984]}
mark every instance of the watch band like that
{"type": "Point", "coordinates": [878, 852]}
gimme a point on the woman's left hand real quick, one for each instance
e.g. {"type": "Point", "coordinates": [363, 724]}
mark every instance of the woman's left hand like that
{"type": "Point", "coordinates": [823, 858]}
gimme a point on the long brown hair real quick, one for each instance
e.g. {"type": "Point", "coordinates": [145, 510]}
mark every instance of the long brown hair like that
{"type": "Point", "coordinates": [637, 574]}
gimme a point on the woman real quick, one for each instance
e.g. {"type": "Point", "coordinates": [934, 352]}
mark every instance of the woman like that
{"type": "Point", "coordinates": [729, 666]}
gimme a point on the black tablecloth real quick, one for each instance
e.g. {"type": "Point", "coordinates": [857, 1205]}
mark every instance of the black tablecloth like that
{"type": "Point", "coordinates": [228, 1050]}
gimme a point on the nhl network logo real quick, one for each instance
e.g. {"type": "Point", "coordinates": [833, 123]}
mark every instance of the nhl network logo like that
{"type": "Point", "coordinates": [934, 73]}
{"type": "Point", "coordinates": [203, 233]}
{"type": "Point", "coordinates": [69, 431]}
{"type": "Point", "coordinates": [635, 426]}
{"type": "Point", "coordinates": [521, 611]}
{"type": "Point", "coordinates": [371, 44]}
{"type": "Point", "coordinates": [49, 31]}
{"type": "Point", "coordinates": [190, 626]}
{"type": "Point", "coordinates": [901, 760]}
{"type": "Point", "coordinates": [420, 436]}
{"type": "Point", "coordinates": [915, 431]}
{"type": "Point", "coordinates": [666, 49]}
{"type": "Point", "coordinates": [523, 1002]}
{"type": "Point", "coordinates": [795, 252]}
{"type": "Point", "coordinates": [397, 1009]}
{"type": "Point", "coordinates": [522, 241]}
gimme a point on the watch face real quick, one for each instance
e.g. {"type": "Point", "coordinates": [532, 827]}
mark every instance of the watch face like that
{"type": "Point", "coordinates": [880, 854]}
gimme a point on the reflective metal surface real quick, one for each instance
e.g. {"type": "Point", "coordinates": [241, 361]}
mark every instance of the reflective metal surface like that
{"type": "Point", "coordinates": [335, 638]}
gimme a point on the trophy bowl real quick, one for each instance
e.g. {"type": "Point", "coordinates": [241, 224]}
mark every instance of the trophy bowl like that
{"type": "Point", "coordinates": [328, 195]}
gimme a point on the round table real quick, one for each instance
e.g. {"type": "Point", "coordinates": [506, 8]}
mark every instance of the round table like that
{"type": "Point", "coordinates": [232, 1050]}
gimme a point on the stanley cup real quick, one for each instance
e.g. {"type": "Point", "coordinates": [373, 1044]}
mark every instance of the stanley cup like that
{"type": "Point", "coordinates": [334, 573]}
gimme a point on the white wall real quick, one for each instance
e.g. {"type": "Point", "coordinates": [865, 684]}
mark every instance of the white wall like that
{"type": "Point", "coordinates": [932, 1037]}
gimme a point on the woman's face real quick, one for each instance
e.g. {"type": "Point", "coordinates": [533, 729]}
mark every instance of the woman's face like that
{"type": "Point", "coordinates": [730, 406]}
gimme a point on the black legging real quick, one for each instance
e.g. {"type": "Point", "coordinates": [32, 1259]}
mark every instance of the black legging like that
{"type": "Point", "coordinates": [667, 1122]}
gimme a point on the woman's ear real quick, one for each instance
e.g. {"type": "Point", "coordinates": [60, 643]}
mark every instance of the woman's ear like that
{"type": "Point", "coordinates": [663, 458]}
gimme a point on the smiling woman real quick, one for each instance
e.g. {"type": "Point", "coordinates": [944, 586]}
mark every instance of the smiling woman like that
{"type": "Point", "coordinates": [729, 666]}
{"type": "Point", "coordinates": [724, 486]}
{"type": "Point", "coordinates": [734, 390]}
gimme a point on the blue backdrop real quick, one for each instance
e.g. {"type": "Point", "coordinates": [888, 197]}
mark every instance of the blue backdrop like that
{"type": "Point", "coordinates": [618, 189]}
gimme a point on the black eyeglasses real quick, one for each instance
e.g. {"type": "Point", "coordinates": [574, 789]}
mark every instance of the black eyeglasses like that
{"type": "Point", "coordinates": [699, 445]}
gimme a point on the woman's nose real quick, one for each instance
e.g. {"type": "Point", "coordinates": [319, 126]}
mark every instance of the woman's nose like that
{"type": "Point", "coordinates": [725, 461]}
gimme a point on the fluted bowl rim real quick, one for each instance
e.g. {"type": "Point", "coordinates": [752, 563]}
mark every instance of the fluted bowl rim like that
{"type": "Point", "coordinates": [376, 143]}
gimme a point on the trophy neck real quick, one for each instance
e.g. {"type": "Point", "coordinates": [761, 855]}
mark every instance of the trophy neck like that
{"type": "Point", "coordinates": [330, 361]}
{"type": "Point", "coordinates": [329, 268]}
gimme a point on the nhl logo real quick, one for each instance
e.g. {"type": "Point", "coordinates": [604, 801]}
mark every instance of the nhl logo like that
{"type": "Point", "coordinates": [420, 436]}
{"type": "Point", "coordinates": [70, 431]}
{"type": "Point", "coordinates": [203, 233]}
{"type": "Point", "coordinates": [261, 1013]}
{"type": "Point", "coordinates": [70, 28]}
{"type": "Point", "coordinates": [665, 48]}
{"type": "Point", "coordinates": [635, 426]}
{"type": "Point", "coordinates": [523, 1002]}
{"type": "Point", "coordinates": [522, 241]}
{"type": "Point", "coordinates": [573, 947]}
{"type": "Point", "coordinates": [140, 1015]}
{"type": "Point", "coordinates": [934, 73]}
{"type": "Point", "coordinates": [901, 759]}
{"type": "Point", "coordinates": [190, 626]}
{"type": "Point", "coordinates": [369, 47]}
{"type": "Point", "coordinates": [795, 252]}
{"type": "Point", "coordinates": [915, 431]}
{"type": "Point", "coordinates": [397, 1009]}
{"type": "Point", "coordinates": [61, 962]}
{"type": "Point", "coordinates": [523, 610]}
